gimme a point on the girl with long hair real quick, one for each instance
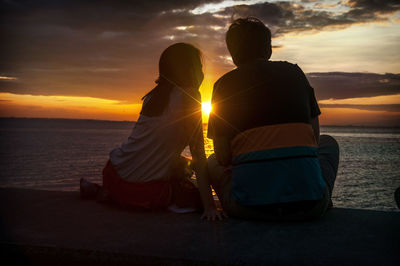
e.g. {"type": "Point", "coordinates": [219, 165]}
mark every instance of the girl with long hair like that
{"type": "Point", "coordinates": [147, 171]}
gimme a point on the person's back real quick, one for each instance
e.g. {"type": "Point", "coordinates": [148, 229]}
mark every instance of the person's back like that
{"type": "Point", "coordinates": [267, 92]}
{"type": "Point", "coordinates": [155, 143]}
{"type": "Point", "coordinates": [265, 131]}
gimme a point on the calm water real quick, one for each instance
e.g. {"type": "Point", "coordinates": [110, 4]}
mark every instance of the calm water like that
{"type": "Point", "coordinates": [53, 154]}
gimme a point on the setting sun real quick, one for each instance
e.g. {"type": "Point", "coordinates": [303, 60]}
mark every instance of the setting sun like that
{"type": "Point", "coordinates": [206, 108]}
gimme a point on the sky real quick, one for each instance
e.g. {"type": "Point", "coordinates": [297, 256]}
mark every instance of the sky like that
{"type": "Point", "coordinates": [97, 59]}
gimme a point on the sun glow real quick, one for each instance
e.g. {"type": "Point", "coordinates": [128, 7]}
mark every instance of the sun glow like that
{"type": "Point", "coordinates": [206, 108]}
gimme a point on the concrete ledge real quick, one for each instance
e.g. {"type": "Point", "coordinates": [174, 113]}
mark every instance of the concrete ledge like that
{"type": "Point", "coordinates": [47, 227]}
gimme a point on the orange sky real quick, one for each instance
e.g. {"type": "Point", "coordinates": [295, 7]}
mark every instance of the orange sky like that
{"type": "Point", "coordinates": [62, 66]}
{"type": "Point", "coordinates": [96, 108]}
{"type": "Point", "coordinates": [350, 116]}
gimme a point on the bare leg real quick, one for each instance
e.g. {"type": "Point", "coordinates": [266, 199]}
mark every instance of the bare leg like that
{"type": "Point", "coordinates": [328, 155]}
{"type": "Point", "coordinates": [397, 197]}
{"type": "Point", "coordinates": [220, 177]}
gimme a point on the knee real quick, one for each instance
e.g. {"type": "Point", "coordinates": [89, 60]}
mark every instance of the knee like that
{"type": "Point", "coordinates": [212, 163]}
{"type": "Point", "coordinates": [327, 140]}
{"type": "Point", "coordinates": [397, 197]}
{"type": "Point", "coordinates": [212, 159]}
{"type": "Point", "coordinates": [215, 170]}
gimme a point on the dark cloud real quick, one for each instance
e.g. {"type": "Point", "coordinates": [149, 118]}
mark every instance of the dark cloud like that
{"type": "Point", "coordinates": [271, 14]}
{"type": "Point", "coordinates": [381, 6]}
{"type": "Point", "coordinates": [372, 107]}
{"type": "Point", "coordinates": [95, 16]}
{"type": "Point", "coordinates": [341, 85]}
{"type": "Point", "coordinates": [285, 16]}
{"type": "Point", "coordinates": [92, 48]}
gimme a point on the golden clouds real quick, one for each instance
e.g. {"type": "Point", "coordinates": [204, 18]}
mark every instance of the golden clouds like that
{"type": "Point", "coordinates": [66, 107]}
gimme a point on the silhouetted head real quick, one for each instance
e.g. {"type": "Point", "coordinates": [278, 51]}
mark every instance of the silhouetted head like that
{"type": "Point", "coordinates": [181, 64]}
{"type": "Point", "coordinates": [248, 39]}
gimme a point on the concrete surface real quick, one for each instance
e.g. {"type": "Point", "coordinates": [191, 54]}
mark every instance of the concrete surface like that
{"type": "Point", "coordinates": [57, 228]}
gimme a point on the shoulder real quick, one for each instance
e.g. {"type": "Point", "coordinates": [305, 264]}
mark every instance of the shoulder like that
{"type": "Point", "coordinates": [284, 66]}
{"type": "Point", "coordinates": [223, 84]}
{"type": "Point", "coordinates": [281, 66]}
{"type": "Point", "coordinates": [185, 103]}
{"type": "Point", "coordinates": [287, 69]}
{"type": "Point", "coordinates": [228, 77]}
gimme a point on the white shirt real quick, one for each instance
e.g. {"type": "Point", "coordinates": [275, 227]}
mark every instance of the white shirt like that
{"type": "Point", "coordinates": [154, 144]}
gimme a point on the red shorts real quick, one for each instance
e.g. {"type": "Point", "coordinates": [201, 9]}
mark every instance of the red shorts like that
{"type": "Point", "coordinates": [147, 195]}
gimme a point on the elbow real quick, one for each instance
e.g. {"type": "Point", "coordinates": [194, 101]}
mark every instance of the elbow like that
{"type": "Point", "coordinates": [223, 160]}
{"type": "Point", "coordinates": [315, 126]}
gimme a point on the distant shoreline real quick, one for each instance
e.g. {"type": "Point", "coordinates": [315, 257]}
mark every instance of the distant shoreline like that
{"type": "Point", "coordinates": [67, 119]}
{"type": "Point", "coordinates": [127, 121]}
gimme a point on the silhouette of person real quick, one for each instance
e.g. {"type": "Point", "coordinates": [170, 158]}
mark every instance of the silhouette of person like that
{"type": "Point", "coordinates": [270, 161]}
{"type": "Point", "coordinates": [147, 171]}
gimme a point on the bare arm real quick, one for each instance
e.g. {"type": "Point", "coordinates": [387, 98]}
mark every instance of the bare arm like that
{"type": "Point", "coordinates": [315, 125]}
{"type": "Point", "coordinates": [200, 167]}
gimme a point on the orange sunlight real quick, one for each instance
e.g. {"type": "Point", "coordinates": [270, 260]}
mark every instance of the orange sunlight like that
{"type": "Point", "coordinates": [26, 105]}
{"type": "Point", "coordinates": [206, 110]}
{"type": "Point", "coordinates": [350, 116]}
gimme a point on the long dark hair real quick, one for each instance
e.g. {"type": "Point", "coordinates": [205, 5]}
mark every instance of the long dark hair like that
{"type": "Point", "coordinates": [176, 68]}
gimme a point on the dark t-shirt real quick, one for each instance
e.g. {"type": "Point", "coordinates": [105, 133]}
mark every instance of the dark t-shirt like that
{"type": "Point", "coordinates": [260, 93]}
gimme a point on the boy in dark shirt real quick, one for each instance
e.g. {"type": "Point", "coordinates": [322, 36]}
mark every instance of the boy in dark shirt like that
{"type": "Point", "coordinates": [270, 161]}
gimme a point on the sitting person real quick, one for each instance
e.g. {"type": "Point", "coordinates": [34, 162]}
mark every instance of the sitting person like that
{"type": "Point", "coordinates": [147, 171]}
{"type": "Point", "coordinates": [270, 161]}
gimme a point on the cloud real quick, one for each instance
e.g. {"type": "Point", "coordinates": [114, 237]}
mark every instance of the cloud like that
{"type": "Point", "coordinates": [381, 6]}
{"type": "Point", "coordinates": [388, 103]}
{"type": "Point", "coordinates": [341, 85]}
{"type": "Point", "coordinates": [110, 49]}
{"type": "Point", "coordinates": [362, 91]}
{"type": "Point", "coordinates": [372, 107]}
{"type": "Point", "coordinates": [284, 16]}
{"type": "Point", "coordinates": [104, 49]}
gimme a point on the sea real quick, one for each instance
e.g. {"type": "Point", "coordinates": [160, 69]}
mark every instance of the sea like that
{"type": "Point", "coordinates": [53, 154]}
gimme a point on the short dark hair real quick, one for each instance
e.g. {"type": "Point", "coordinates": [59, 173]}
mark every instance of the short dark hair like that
{"type": "Point", "coordinates": [248, 39]}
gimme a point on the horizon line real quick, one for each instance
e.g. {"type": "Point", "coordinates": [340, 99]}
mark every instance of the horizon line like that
{"type": "Point", "coordinates": [133, 121]}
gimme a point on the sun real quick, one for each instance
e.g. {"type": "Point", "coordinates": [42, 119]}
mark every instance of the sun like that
{"type": "Point", "coordinates": [206, 108]}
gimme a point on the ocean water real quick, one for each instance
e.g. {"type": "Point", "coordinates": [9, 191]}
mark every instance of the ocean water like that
{"type": "Point", "coordinates": [53, 154]}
